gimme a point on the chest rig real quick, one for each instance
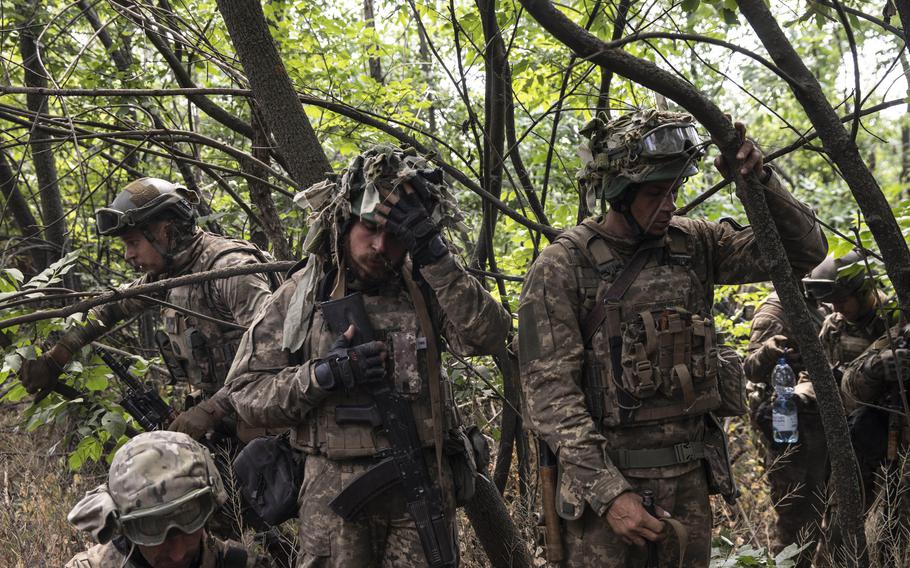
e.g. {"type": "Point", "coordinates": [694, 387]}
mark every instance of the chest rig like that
{"type": "Point", "coordinates": [652, 355]}
{"type": "Point", "coordinates": [202, 350]}
{"type": "Point", "coordinates": [847, 342]}
{"type": "Point", "coordinates": [336, 428]}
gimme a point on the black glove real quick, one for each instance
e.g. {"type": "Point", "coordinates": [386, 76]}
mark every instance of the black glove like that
{"type": "Point", "coordinates": [39, 374]}
{"type": "Point", "coordinates": [409, 220]}
{"type": "Point", "coordinates": [345, 367]}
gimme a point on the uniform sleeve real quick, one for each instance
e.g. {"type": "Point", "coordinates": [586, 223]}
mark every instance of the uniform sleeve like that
{"type": "Point", "coordinates": [104, 318]}
{"type": "Point", "coordinates": [243, 295]}
{"type": "Point", "coordinates": [551, 355]}
{"type": "Point", "coordinates": [857, 386]}
{"type": "Point", "coordinates": [760, 360]}
{"type": "Point", "coordinates": [737, 258]}
{"type": "Point", "coordinates": [473, 322]}
{"type": "Point", "coordinates": [266, 388]}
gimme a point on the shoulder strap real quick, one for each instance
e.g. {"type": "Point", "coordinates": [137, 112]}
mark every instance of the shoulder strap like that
{"type": "Point", "coordinates": [421, 306]}
{"type": "Point", "coordinates": [234, 556]}
{"type": "Point", "coordinates": [618, 288]}
{"type": "Point", "coordinates": [593, 248]}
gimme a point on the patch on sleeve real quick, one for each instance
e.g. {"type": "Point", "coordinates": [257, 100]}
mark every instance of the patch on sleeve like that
{"type": "Point", "coordinates": [528, 338]}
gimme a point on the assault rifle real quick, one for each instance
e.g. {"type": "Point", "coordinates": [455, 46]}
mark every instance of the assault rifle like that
{"type": "Point", "coordinates": [403, 467]}
{"type": "Point", "coordinates": [144, 404]}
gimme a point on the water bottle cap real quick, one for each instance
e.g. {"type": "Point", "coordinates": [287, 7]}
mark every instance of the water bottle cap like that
{"type": "Point", "coordinates": [782, 361]}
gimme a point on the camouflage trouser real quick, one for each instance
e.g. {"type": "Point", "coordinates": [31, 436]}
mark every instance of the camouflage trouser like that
{"type": "Point", "coordinates": [382, 536]}
{"type": "Point", "coordinates": [797, 475]}
{"type": "Point", "coordinates": [590, 542]}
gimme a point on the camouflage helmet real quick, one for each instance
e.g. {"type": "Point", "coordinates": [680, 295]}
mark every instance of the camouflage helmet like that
{"type": "Point", "coordinates": [143, 201]}
{"type": "Point", "coordinates": [646, 145]}
{"type": "Point", "coordinates": [163, 480]}
{"type": "Point", "coordinates": [366, 182]}
{"type": "Point", "coordinates": [837, 277]}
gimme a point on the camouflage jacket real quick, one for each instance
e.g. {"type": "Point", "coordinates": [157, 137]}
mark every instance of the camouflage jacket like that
{"type": "Point", "coordinates": [844, 341]}
{"type": "Point", "coordinates": [858, 386]}
{"type": "Point", "coordinates": [235, 299]}
{"type": "Point", "coordinates": [555, 300]}
{"type": "Point", "coordinates": [216, 553]}
{"type": "Point", "coordinates": [272, 387]}
{"type": "Point", "coordinates": [769, 320]}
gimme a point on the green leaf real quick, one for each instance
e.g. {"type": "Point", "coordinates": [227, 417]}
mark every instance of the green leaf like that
{"type": "Point", "coordinates": [114, 424]}
{"type": "Point", "coordinates": [690, 5]}
{"type": "Point", "coordinates": [730, 17]}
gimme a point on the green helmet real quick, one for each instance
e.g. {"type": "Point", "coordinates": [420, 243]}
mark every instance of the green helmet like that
{"type": "Point", "coordinates": [143, 201]}
{"type": "Point", "coordinates": [646, 145]}
{"type": "Point", "coordinates": [837, 277]}
{"type": "Point", "coordinates": [158, 481]}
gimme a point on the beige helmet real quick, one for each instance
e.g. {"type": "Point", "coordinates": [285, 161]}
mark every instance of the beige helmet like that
{"type": "Point", "coordinates": [143, 201]}
{"type": "Point", "coordinates": [158, 481]}
{"type": "Point", "coordinates": [646, 145]}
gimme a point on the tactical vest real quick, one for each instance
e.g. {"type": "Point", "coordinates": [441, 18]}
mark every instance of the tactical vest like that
{"type": "Point", "coordinates": [204, 350]}
{"type": "Point", "coordinates": [326, 431]}
{"type": "Point", "coordinates": [661, 326]}
{"type": "Point", "coordinates": [845, 342]}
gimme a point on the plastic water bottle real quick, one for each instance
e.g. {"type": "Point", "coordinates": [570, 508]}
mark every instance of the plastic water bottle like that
{"type": "Point", "coordinates": [784, 418]}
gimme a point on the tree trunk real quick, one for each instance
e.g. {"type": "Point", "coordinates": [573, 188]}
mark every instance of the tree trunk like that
{"type": "Point", "coordinates": [504, 545]}
{"type": "Point", "coordinates": [375, 63]}
{"type": "Point", "coordinates": [751, 194]}
{"type": "Point", "coordinates": [20, 213]}
{"type": "Point", "coordinates": [839, 145]}
{"type": "Point", "coordinates": [52, 213]}
{"type": "Point", "coordinates": [606, 76]}
{"type": "Point", "coordinates": [262, 197]}
{"type": "Point", "coordinates": [277, 100]}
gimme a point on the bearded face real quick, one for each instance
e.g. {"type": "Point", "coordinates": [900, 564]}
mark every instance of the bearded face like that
{"type": "Point", "coordinates": [373, 254]}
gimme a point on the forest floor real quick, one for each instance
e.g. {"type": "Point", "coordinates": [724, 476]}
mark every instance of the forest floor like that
{"type": "Point", "coordinates": [38, 490]}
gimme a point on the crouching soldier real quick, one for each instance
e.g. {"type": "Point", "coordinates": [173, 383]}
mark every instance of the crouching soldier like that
{"type": "Point", "coordinates": [161, 489]}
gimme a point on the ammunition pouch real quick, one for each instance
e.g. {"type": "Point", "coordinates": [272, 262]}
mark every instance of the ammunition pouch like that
{"type": "Point", "coordinates": [731, 383]}
{"type": "Point", "coordinates": [468, 455]}
{"type": "Point", "coordinates": [204, 361]}
{"type": "Point", "coordinates": [717, 461]}
{"type": "Point", "coordinates": [270, 474]}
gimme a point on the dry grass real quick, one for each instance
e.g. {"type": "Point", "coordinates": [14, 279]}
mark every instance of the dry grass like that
{"type": "Point", "coordinates": [38, 491]}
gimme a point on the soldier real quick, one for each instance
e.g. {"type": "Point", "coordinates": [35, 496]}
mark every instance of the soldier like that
{"type": "Point", "coordinates": [156, 222]}
{"type": "Point", "coordinates": [376, 233]}
{"type": "Point", "coordinates": [846, 333]}
{"type": "Point", "coordinates": [875, 378]}
{"type": "Point", "coordinates": [618, 352]}
{"type": "Point", "coordinates": [797, 473]}
{"type": "Point", "coordinates": [162, 487]}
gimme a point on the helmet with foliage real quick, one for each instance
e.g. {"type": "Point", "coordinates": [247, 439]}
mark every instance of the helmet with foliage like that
{"type": "Point", "coordinates": [144, 201]}
{"type": "Point", "coordinates": [838, 277]}
{"type": "Point", "coordinates": [642, 146]}
{"type": "Point", "coordinates": [158, 481]}
{"type": "Point", "coordinates": [367, 182]}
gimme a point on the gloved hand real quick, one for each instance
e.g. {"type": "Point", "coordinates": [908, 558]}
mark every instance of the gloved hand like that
{"type": "Point", "coordinates": [409, 220]}
{"type": "Point", "coordinates": [39, 374]}
{"type": "Point", "coordinates": [776, 346]}
{"type": "Point", "coordinates": [883, 366]}
{"type": "Point", "coordinates": [345, 366]}
{"type": "Point", "coordinates": [201, 419]}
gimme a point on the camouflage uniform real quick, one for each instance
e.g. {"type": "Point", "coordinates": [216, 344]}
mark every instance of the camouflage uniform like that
{"type": "Point", "coordinates": [159, 482]}
{"type": "Point", "coordinates": [654, 439]}
{"type": "Point", "coordinates": [204, 349]}
{"type": "Point", "coordinates": [120, 554]}
{"type": "Point", "coordinates": [796, 473]}
{"type": "Point", "coordinates": [273, 384]}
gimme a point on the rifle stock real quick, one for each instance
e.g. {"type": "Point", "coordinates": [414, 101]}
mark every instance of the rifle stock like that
{"type": "Point", "coordinates": [547, 464]}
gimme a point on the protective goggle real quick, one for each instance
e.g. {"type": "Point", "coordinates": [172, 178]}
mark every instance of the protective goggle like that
{"type": "Point", "coordinates": [819, 289]}
{"type": "Point", "coordinates": [150, 528]}
{"type": "Point", "coordinates": [668, 140]}
{"type": "Point", "coordinates": [110, 221]}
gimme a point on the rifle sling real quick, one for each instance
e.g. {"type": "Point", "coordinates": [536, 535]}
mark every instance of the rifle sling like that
{"type": "Point", "coordinates": [435, 380]}
{"type": "Point", "coordinates": [617, 289]}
